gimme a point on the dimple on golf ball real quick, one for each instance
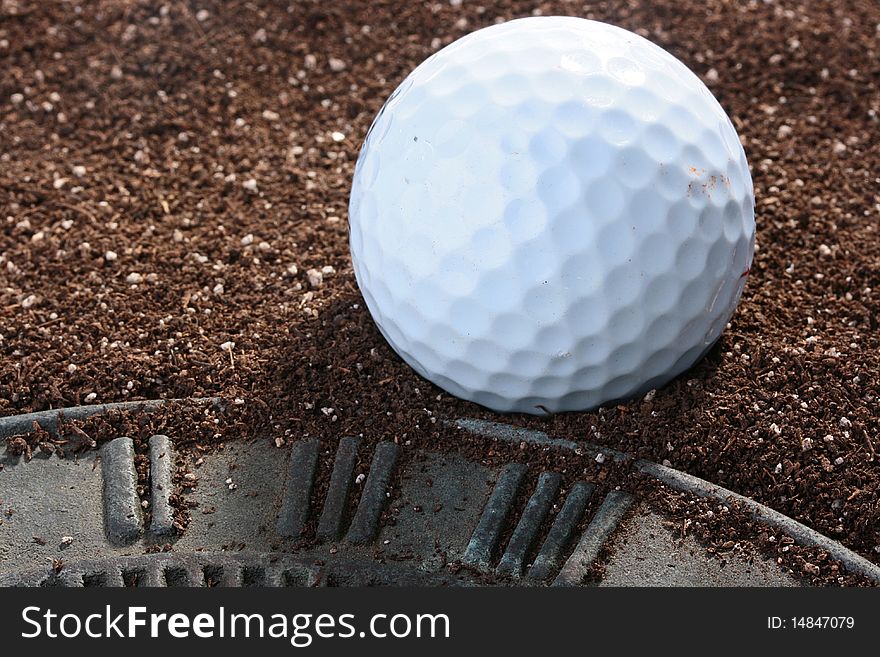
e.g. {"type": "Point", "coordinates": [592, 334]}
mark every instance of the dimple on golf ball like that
{"type": "Point", "coordinates": [550, 214]}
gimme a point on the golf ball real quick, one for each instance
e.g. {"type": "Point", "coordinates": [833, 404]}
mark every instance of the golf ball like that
{"type": "Point", "coordinates": [550, 214]}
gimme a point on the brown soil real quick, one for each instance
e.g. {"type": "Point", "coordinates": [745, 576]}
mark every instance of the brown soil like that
{"type": "Point", "coordinates": [170, 175]}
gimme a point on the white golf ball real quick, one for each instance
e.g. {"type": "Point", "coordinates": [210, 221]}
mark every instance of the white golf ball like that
{"type": "Point", "coordinates": [550, 214]}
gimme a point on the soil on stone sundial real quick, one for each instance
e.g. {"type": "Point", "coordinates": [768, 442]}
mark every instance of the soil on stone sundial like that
{"type": "Point", "coordinates": [173, 188]}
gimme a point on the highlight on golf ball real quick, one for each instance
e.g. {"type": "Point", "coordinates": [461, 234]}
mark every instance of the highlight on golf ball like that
{"type": "Point", "coordinates": [550, 214]}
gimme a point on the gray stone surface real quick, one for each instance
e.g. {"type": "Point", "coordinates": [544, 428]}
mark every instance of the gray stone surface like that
{"type": "Point", "coordinates": [549, 557]}
{"type": "Point", "coordinates": [804, 535]}
{"type": "Point", "coordinates": [365, 523]}
{"type": "Point", "coordinates": [338, 490]}
{"type": "Point", "coordinates": [298, 488]}
{"type": "Point", "coordinates": [245, 515]}
{"type": "Point", "coordinates": [440, 504]}
{"type": "Point", "coordinates": [161, 486]}
{"type": "Point", "coordinates": [487, 533]}
{"type": "Point", "coordinates": [683, 481]}
{"type": "Point", "coordinates": [123, 517]}
{"type": "Point", "coordinates": [46, 499]}
{"type": "Point", "coordinates": [48, 420]}
{"type": "Point", "coordinates": [603, 525]}
{"type": "Point", "coordinates": [175, 570]}
{"type": "Point", "coordinates": [644, 552]}
{"type": "Point", "coordinates": [526, 533]}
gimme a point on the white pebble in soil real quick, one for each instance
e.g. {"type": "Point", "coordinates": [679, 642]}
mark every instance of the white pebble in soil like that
{"type": "Point", "coordinates": [315, 277]}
